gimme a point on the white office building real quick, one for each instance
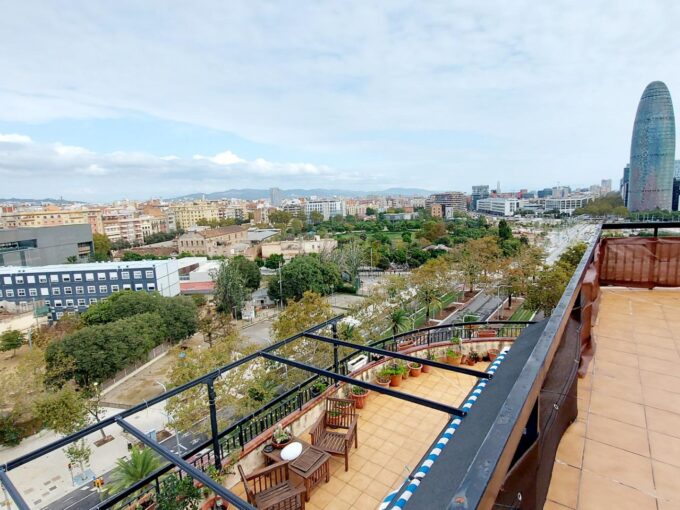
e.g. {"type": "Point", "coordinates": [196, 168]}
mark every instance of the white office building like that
{"type": "Point", "coordinates": [328, 208]}
{"type": "Point", "coordinates": [499, 206]}
{"type": "Point", "coordinates": [567, 205]}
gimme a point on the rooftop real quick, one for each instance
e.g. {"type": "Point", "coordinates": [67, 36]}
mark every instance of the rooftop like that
{"type": "Point", "coordinates": [623, 451]}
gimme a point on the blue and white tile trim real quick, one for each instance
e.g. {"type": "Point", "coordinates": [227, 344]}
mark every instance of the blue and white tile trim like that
{"type": "Point", "coordinates": [424, 468]}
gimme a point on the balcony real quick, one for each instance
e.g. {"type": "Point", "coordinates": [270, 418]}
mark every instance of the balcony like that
{"type": "Point", "coordinates": [519, 432]}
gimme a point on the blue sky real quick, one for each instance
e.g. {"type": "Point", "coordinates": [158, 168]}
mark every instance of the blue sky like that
{"type": "Point", "coordinates": [102, 100]}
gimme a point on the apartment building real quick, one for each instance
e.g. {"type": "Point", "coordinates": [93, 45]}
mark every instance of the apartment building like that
{"type": "Point", "coordinates": [499, 206]}
{"type": "Point", "coordinates": [71, 288]}
{"type": "Point", "coordinates": [451, 202]}
{"type": "Point", "coordinates": [223, 241]}
{"type": "Point", "coordinates": [569, 204]}
{"type": "Point", "coordinates": [187, 214]}
{"type": "Point", "coordinates": [328, 208]}
{"type": "Point", "coordinates": [290, 249]}
{"type": "Point", "coordinates": [51, 216]}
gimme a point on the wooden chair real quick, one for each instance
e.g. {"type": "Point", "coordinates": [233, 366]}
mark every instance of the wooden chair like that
{"type": "Point", "coordinates": [339, 414]}
{"type": "Point", "coordinates": [270, 488]}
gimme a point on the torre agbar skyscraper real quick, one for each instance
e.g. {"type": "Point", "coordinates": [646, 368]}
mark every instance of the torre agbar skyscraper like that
{"type": "Point", "coordinates": [652, 151]}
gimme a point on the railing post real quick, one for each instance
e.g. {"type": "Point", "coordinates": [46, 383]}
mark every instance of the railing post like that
{"type": "Point", "coordinates": [240, 437]}
{"type": "Point", "coordinates": [213, 424]}
{"type": "Point", "coordinates": [336, 364]}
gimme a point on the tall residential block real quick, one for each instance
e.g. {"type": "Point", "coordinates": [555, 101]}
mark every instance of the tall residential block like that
{"type": "Point", "coordinates": [652, 151]}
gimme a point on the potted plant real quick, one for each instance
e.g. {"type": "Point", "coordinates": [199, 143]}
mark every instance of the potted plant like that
{"type": "Point", "coordinates": [318, 388]}
{"type": "Point", "coordinates": [493, 354]}
{"type": "Point", "coordinates": [453, 357]}
{"type": "Point", "coordinates": [383, 378]}
{"type": "Point", "coordinates": [473, 357]}
{"type": "Point", "coordinates": [281, 437]}
{"type": "Point", "coordinates": [415, 369]}
{"type": "Point", "coordinates": [394, 373]}
{"type": "Point", "coordinates": [426, 368]}
{"type": "Point", "coordinates": [358, 394]}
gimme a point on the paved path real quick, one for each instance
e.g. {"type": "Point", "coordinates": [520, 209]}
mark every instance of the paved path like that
{"type": "Point", "coordinates": [482, 305]}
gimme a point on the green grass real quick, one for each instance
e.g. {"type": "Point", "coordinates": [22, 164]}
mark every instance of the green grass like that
{"type": "Point", "coordinates": [521, 314]}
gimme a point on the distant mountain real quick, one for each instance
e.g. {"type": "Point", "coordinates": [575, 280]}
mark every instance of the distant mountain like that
{"type": "Point", "coordinates": [35, 201]}
{"type": "Point", "coordinates": [255, 194]}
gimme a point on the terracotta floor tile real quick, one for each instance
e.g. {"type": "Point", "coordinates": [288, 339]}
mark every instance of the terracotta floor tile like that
{"type": "Point", "coordinates": [377, 490]}
{"type": "Point", "coordinates": [617, 409]}
{"type": "Point", "coordinates": [599, 493]}
{"type": "Point", "coordinates": [626, 390]}
{"type": "Point", "coordinates": [620, 358]}
{"type": "Point", "coordinates": [338, 504]}
{"type": "Point", "coordinates": [661, 399]}
{"type": "Point", "coordinates": [551, 505]}
{"type": "Point", "coordinates": [665, 448]}
{"type": "Point", "coordinates": [617, 344]}
{"type": "Point", "coordinates": [619, 372]}
{"type": "Point", "coordinates": [618, 434]}
{"type": "Point", "coordinates": [661, 381]}
{"type": "Point", "coordinates": [570, 449]}
{"type": "Point", "coordinates": [564, 485]}
{"type": "Point", "coordinates": [667, 481]}
{"type": "Point", "coordinates": [663, 421]}
{"type": "Point", "coordinates": [660, 353]}
{"type": "Point", "coordinates": [349, 494]}
{"type": "Point", "coordinates": [620, 465]}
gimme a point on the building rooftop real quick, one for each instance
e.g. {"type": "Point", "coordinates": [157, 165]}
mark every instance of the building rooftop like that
{"type": "Point", "coordinates": [623, 451]}
{"type": "Point", "coordinates": [90, 266]}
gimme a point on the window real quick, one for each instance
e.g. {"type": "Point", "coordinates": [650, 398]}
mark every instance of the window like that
{"type": "Point", "coordinates": [139, 286]}
{"type": "Point", "coordinates": [77, 277]}
{"type": "Point", "coordinates": [69, 302]}
{"type": "Point", "coordinates": [68, 290]}
{"type": "Point", "coordinates": [7, 280]}
{"type": "Point", "coordinates": [101, 276]}
{"type": "Point", "coordinates": [42, 278]}
{"type": "Point", "coordinates": [21, 292]}
{"type": "Point", "coordinates": [57, 303]}
{"type": "Point", "coordinates": [56, 291]}
{"type": "Point", "coordinates": [137, 274]}
{"type": "Point", "coordinates": [30, 279]}
{"type": "Point", "coordinates": [114, 288]}
{"type": "Point", "coordinates": [54, 278]}
{"type": "Point", "coordinates": [81, 302]}
{"type": "Point", "coordinates": [89, 277]}
{"type": "Point", "coordinates": [32, 292]}
{"type": "Point", "coordinates": [149, 274]}
{"type": "Point", "coordinates": [47, 302]}
{"type": "Point", "coordinates": [66, 278]}
{"type": "Point", "coordinates": [151, 286]}
{"type": "Point", "coordinates": [9, 292]}
{"type": "Point", "coordinates": [44, 291]}
{"type": "Point", "coordinates": [60, 314]}
{"type": "Point", "coordinates": [125, 275]}
{"type": "Point", "coordinates": [93, 300]}
{"type": "Point", "coordinates": [79, 290]}
{"type": "Point", "coordinates": [19, 280]}
{"type": "Point", "coordinates": [103, 289]}
{"type": "Point", "coordinates": [113, 275]}
{"type": "Point", "coordinates": [126, 286]}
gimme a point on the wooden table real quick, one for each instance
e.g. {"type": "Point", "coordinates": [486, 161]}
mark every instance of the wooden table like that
{"type": "Point", "coordinates": [312, 465]}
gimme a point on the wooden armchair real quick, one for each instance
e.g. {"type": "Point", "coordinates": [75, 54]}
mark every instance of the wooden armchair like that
{"type": "Point", "coordinates": [270, 488]}
{"type": "Point", "coordinates": [339, 414]}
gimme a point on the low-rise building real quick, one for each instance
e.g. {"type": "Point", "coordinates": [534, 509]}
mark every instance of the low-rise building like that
{"type": "Point", "coordinates": [41, 246]}
{"type": "Point", "coordinates": [72, 288]}
{"type": "Point", "coordinates": [328, 208]}
{"type": "Point", "coordinates": [498, 206]}
{"type": "Point", "coordinates": [567, 205]}
{"type": "Point", "coordinates": [213, 242]}
{"type": "Point", "coordinates": [291, 249]}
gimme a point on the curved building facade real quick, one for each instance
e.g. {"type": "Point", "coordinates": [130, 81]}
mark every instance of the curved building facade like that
{"type": "Point", "coordinates": [652, 151]}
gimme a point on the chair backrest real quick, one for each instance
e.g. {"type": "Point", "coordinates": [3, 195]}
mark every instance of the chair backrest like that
{"type": "Point", "coordinates": [249, 492]}
{"type": "Point", "coordinates": [340, 412]}
{"type": "Point", "coordinates": [264, 478]}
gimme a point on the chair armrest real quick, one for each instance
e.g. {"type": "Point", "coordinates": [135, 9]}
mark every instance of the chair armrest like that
{"type": "Point", "coordinates": [349, 437]}
{"type": "Point", "coordinates": [317, 429]}
{"type": "Point", "coordinates": [266, 470]}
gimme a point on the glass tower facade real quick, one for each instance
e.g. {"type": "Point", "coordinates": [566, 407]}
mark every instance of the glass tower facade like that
{"type": "Point", "coordinates": [652, 151]}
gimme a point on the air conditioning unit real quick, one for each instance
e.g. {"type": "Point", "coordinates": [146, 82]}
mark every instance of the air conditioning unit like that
{"type": "Point", "coordinates": [357, 363]}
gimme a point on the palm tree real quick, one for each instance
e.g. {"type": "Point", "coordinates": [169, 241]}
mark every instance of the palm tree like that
{"type": "Point", "coordinates": [398, 319]}
{"type": "Point", "coordinates": [142, 463]}
{"type": "Point", "coordinates": [430, 298]}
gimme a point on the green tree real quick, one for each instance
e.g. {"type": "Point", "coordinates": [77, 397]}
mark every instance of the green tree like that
{"type": "Point", "coordinates": [371, 211]}
{"type": "Point", "coordinates": [303, 273]}
{"type": "Point", "coordinates": [102, 247]}
{"type": "Point", "coordinates": [315, 217]}
{"type": "Point", "coordinates": [406, 237]}
{"type": "Point", "coordinates": [142, 463]}
{"type": "Point", "coordinates": [249, 270]}
{"type": "Point", "coordinates": [302, 314]}
{"type": "Point", "coordinates": [432, 230]}
{"type": "Point", "coordinates": [572, 256]}
{"type": "Point", "coordinates": [62, 411]}
{"type": "Point", "coordinates": [429, 297]}
{"type": "Point", "coordinates": [280, 217]}
{"type": "Point", "coordinates": [504, 230]}
{"type": "Point", "coordinates": [398, 321]}
{"type": "Point", "coordinates": [72, 259]}
{"type": "Point", "coordinates": [230, 289]}
{"type": "Point", "coordinates": [178, 494]}
{"type": "Point", "coordinates": [546, 291]}
{"type": "Point", "coordinates": [11, 340]}
{"type": "Point", "coordinates": [273, 261]}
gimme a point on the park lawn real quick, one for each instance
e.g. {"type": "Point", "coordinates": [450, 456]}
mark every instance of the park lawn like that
{"type": "Point", "coordinates": [521, 314]}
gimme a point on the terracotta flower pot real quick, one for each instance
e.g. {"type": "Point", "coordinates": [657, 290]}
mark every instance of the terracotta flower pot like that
{"type": "Point", "coordinates": [415, 372]}
{"type": "Point", "coordinates": [426, 369]}
{"type": "Point", "coordinates": [280, 445]}
{"type": "Point", "coordinates": [454, 360]}
{"type": "Point", "coordinates": [385, 383]}
{"type": "Point", "coordinates": [471, 362]}
{"type": "Point", "coordinates": [395, 380]}
{"type": "Point", "coordinates": [359, 399]}
{"type": "Point", "coordinates": [493, 354]}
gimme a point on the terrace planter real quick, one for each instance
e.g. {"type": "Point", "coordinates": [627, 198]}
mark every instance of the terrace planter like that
{"type": "Point", "coordinates": [360, 398]}
{"type": "Point", "coordinates": [455, 360]}
{"type": "Point", "coordinates": [415, 369]}
{"type": "Point", "coordinates": [426, 368]}
{"type": "Point", "coordinates": [395, 380]}
{"type": "Point", "coordinates": [384, 382]}
{"type": "Point", "coordinates": [493, 354]}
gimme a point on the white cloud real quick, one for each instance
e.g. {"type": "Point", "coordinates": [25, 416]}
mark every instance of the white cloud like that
{"type": "Point", "coordinates": [76, 172]}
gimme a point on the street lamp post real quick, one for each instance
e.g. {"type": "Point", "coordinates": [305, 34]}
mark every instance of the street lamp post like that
{"type": "Point", "coordinates": [180, 447]}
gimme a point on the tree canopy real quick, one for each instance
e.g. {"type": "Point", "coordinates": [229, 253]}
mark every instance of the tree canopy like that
{"type": "Point", "coordinates": [304, 273]}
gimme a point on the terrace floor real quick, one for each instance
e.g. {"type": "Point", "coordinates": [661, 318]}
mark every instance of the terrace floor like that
{"type": "Point", "coordinates": [393, 436]}
{"type": "Point", "coordinates": [623, 452]}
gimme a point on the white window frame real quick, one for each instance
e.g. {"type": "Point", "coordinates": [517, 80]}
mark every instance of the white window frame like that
{"type": "Point", "coordinates": [127, 286]}
{"type": "Point", "coordinates": [106, 289]}
{"type": "Point", "coordinates": [30, 278]}
{"type": "Point", "coordinates": [54, 278]}
{"type": "Point", "coordinates": [113, 275]}
{"type": "Point", "coordinates": [44, 291]}
{"type": "Point", "coordinates": [69, 302]}
{"type": "Point", "coordinates": [139, 286]}
{"type": "Point", "coordinates": [77, 277]}
{"type": "Point", "coordinates": [9, 292]}
{"type": "Point", "coordinates": [101, 277]}
{"type": "Point", "coordinates": [56, 291]}
{"type": "Point", "coordinates": [149, 273]}
{"type": "Point", "coordinates": [115, 288]}
{"type": "Point", "coordinates": [136, 275]}
{"type": "Point", "coordinates": [21, 292]}
{"type": "Point", "coordinates": [80, 290]}
{"type": "Point", "coordinates": [81, 302]}
{"type": "Point", "coordinates": [66, 278]}
{"type": "Point", "coordinates": [125, 275]}
{"type": "Point", "coordinates": [42, 278]}
{"type": "Point", "coordinates": [93, 300]}
{"type": "Point", "coordinates": [32, 292]}
{"type": "Point", "coordinates": [19, 279]}
{"type": "Point", "coordinates": [68, 290]}
{"type": "Point", "coordinates": [91, 289]}
{"type": "Point", "coordinates": [89, 277]}
{"type": "Point", "coordinates": [7, 280]}
{"type": "Point", "coordinates": [151, 287]}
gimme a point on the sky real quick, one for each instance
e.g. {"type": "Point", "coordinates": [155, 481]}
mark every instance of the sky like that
{"type": "Point", "coordinates": [108, 100]}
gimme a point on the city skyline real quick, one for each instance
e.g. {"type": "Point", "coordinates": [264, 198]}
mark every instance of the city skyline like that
{"type": "Point", "coordinates": [366, 97]}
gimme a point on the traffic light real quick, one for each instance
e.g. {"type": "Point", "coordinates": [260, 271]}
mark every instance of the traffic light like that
{"type": "Point", "coordinates": [98, 482]}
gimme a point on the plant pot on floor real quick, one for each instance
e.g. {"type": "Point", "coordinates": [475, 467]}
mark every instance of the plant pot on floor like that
{"type": "Point", "coordinates": [493, 354]}
{"type": "Point", "coordinates": [382, 381]}
{"type": "Point", "coordinates": [395, 380]}
{"type": "Point", "coordinates": [360, 397]}
{"type": "Point", "coordinates": [453, 358]}
{"type": "Point", "coordinates": [427, 368]}
{"type": "Point", "coordinates": [415, 369]}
